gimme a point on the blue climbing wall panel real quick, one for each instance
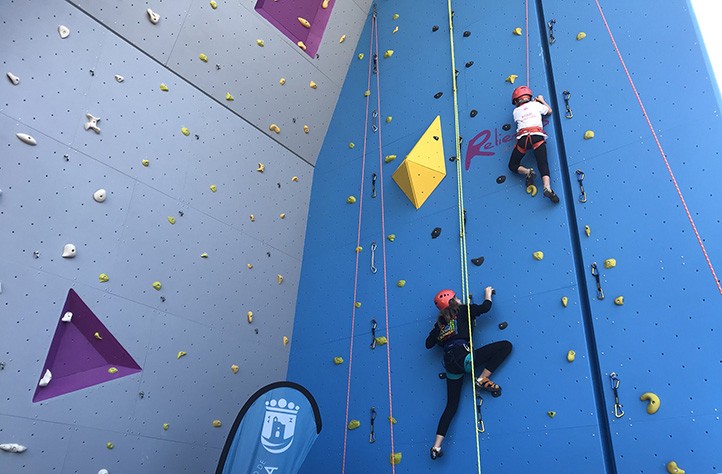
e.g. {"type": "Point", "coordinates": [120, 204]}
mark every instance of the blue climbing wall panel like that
{"type": "Point", "coordinates": [661, 340]}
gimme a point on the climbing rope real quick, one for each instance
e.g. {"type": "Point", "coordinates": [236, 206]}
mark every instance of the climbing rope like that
{"type": "Point", "coordinates": [661, 150]}
{"type": "Point", "coordinates": [526, 29]}
{"type": "Point", "coordinates": [462, 227]}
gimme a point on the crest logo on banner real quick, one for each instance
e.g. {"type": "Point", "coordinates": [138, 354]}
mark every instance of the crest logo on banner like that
{"type": "Point", "coordinates": [279, 425]}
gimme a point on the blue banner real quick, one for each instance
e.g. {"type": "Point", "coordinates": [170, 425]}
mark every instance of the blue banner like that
{"type": "Point", "coordinates": [273, 432]}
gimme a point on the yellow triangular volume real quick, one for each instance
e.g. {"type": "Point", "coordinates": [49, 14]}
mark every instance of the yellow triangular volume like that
{"type": "Point", "coordinates": [424, 167]}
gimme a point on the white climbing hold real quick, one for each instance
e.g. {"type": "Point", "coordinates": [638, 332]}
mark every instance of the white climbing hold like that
{"type": "Point", "coordinates": [119, 78]}
{"type": "Point", "coordinates": [99, 195]}
{"type": "Point", "coordinates": [69, 251]}
{"type": "Point", "coordinates": [153, 16]}
{"type": "Point", "coordinates": [13, 78]}
{"type": "Point", "coordinates": [13, 448]}
{"type": "Point", "coordinates": [64, 31]}
{"type": "Point", "coordinates": [25, 138]}
{"type": "Point", "coordinates": [67, 317]}
{"type": "Point", "coordinates": [92, 123]}
{"type": "Point", "coordinates": [103, 471]}
{"type": "Point", "coordinates": [46, 378]}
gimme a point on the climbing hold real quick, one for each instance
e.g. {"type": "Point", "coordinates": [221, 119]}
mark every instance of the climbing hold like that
{"type": "Point", "coordinates": [503, 325]}
{"type": "Point", "coordinates": [103, 471]}
{"type": "Point", "coordinates": [213, 188]}
{"type": "Point", "coordinates": [653, 404]}
{"type": "Point", "coordinates": [69, 251]}
{"type": "Point", "coordinates": [571, 355]}
{"type": "Point", "coordinates": [119, 78]}
{"type": "Point", "coordinates": [477, 261]}
{"type": "Point", "coordinates": [153, 16]}
{"type": "Point", "coordinates": [63, 31]}
{"type": "Point", "coordinates": [436, 232]}
{"type": "Point", "coordinates": [203, 57]}
{"type": "Point", "coordinates": [304, 22]}
{"type": "Point", "coordinates": [360, 56]}
{"type": "Point", "coordinates": [581, 35]}
{"type": "Point", "coordinates": [204, 255]}
{"type": "Point", "coordinates": [324, 4]}
{"type": "Point", "coordinates": [214, 5]}
{"type": "Point", "coordinates": [234, 368]}
{"type": "Point", "coordinates": [185, 131]}
{"type": "Point", "coordinates": [473, 113]}
{"type": "Point", "coordinates": [312, 85]}
{"type": "Point", "coordinates": [506, 127]}
{"type": "Point", "coordinates": [500, 179]}
{"type": "Point", "coordinates": [565, 301]}
{"type": "Point", "coordinates": [367, 93]}
{"type": "Point", "coordinates": [351, 145]}
{"type": "Point", "coordinates": [610, 263]}
{"type": "Point", "coordinates": [395, 30]}
{"type": "Point", "coordinates": [282, 216]}
{"type": "Point", "coordinates": [217, 423]}
{"type": "Point", "coordinates": [395, 458]}
{"type": "Point", "coordinates": [274, 128]}
{"type": "Point", "coordinates": [171, 219]}
{"type": "Point", "coordinates": [163, 87]}
{"type": "Point", "coordinates": [260, 43]}
{"type": "Point", "coordinates": [98, 336]}
{"type": "Point", "coordinates": [249, 316]}
{"type": "Point", "coordinates": [279, 278]}
{"type": "Point", "coordinates": [103, 278]}
{"type": "Point", "coordinates": [338, 360]}
{"type": "Point", "coordinates": [13, 448]}
{"type": "Point", "coordinates": [357, 304]}
{"type": "Point", "coordinates": [285, 341]}
{"type": "Point", "coordinates": [302, 45]}
{"type": "Point", "coordinates": [113, 370]}
{"type": "Point", "coordinates": [157, 285]}
{"type": "Point", "coordinates": [342, 39]}
{"type": "Point", "coordinates": [282, 81]}
{"type": "Point", "coordinates": [13, 78]}
{"type": "Point", "coordinates": [25, 138]}
{"type": "Point", "coordinates": [538, 255]}
{"type": "Point", "coordinates": [396, 16]}
{"type": "Point", "coordinates": [145, 163]}
{"type": "Point", "coordinates": [47, 377]}
{"type": "Point", "coordinates": [67, 317]}
{"type": "Point", "coordinates": [381, 340]}
{"type": "Point", "coordinates": [517, 31]}
{"type": "Point", "coordinates": [401, 283]}
{"type": "Point", "coordinates": [389, 119]}
{"type": "Point", "coordinates": [181, 354]}
{"type": "Point", "coordinates": [588, 230]}
{"type": "Point", "coordinates": [295, 179]}
{"type": "Point", "coordinates": [511, 78]}
{"type": "Point", "coordinates": [165, 426]}
{"type": "Point", "coordinates": [435, 28]}
{"type": "Point", "coordinates": [229, 97]}
{"type": "Point", "coordinates": [392, 420]}
{"type": "Point", "coordinates": [350, 200]}
{"type": "Point", "coordinates": [389, 53]}
{"type": "Point", "coordinates": [531, 189]}
{"type": "Point", "coordinates": [551, 414]}
{"type": "Point", "coordinates": [438, 95]}
{"type": "Point", "coordinates": [389, 158]}
{"type": "Point", "coordinates": [109, 445]}
{"type": "Point", "coordinates": [588, 135]}
{"type": "Point", "coordinates": [249, 266]}
{"type": "Point", "coordinates": [469, 64]}
{"type": "Point", "coordinates": [306, 129]}
{"type": "Point", "coordinates": [353, 424]}
{"type": "Point", "coordinates": [672, 468]}
{"type": "Point", "coordinates": [359, 249]}
{"type": "Point", "coordinates": [467, 34]}
{"type": "Point", "coordinates": [619, 300]}
{"type": "Point", "coordinates": [391, 237]}
{"type": "Point", "coordinates": [253, 218]}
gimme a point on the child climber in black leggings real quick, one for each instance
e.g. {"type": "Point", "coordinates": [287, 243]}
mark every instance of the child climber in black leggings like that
{"type": "Point", "coordinates": [451, 332]}
{"type": "Point", "coordinates": [530, 136]}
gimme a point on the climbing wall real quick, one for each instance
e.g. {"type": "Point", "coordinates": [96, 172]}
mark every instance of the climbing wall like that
{"type": "Point", "coordinates": [654, 331]}
{"type": "Point", "coordinates": [184, 212]}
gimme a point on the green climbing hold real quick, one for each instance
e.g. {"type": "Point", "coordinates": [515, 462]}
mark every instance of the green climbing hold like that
{"type": "Point", "coordinates": [381, 340]}
{"type": "Point", "coordinates": [552, 414]}
{"type": "Point", "coordinates": [353, 424]}
{"type": "Point", "coordinates": [338, 360]}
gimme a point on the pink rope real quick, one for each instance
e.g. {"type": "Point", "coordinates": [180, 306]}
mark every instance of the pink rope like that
{"type": "Point", "coordinates": [358, 243]}
{"type": "Point", "coordinates": [661, 150]}
{"type": "Point", "coordinates": [526, 28]}
{"type": "Point", "coordinates": [383, 247]}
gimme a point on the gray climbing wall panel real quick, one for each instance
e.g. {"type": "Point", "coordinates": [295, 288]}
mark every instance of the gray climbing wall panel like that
{"type": "Point", "coordinates": [46, 201]}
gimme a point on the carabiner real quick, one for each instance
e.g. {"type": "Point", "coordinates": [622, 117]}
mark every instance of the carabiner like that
{"type": "Point", "coordinates": [373, 257]}
{"type": "Point", "coordinates": [595, 274]}
{"type": "Point", "coordinates": [566, 95]}
{"type": "Point", "coordinates": [479, 420]}
{"type": "Point", "coordinates": [580, 179]}
{"type": "Point", "coordinates": [372, 437]}
{"type": "Point", "coordinates": [618, 410]}
{"type": "Point", "coordinates": [373, 185]}
{"type": "Point", "coordinates": [373, 334]}
{"type": "Point", "coordinates": [551, 31]}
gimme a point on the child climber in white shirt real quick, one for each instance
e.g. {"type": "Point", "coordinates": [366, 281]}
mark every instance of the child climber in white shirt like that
{"type": "Point", "coordinates": [530, 135]}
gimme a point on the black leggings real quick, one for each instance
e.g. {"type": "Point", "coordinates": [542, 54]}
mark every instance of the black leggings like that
{"type": "Point", "coordinates": [540, 154]}
{"type": "Point", "coordinates": [489, 357]}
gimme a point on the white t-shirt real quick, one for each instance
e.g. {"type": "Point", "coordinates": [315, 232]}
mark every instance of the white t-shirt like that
{"type": "Point", "coordinates": [530, 115]}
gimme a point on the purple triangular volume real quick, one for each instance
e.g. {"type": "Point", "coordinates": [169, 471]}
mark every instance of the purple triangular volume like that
{"type": "Point", "coordinates": [77, 359]}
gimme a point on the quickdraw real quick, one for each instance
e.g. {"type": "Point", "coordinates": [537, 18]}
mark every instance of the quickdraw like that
{"type": "Point", "coordinates": [373, 122]}
{"type": "Point", "coordinates": [373, 257]}
{"type": "Point", "coordinates": [550, 24]}
{"type": "Point", "coordinates": [595, 274]}
{"type": "Point", "coordinates": [618, 411]}
{"type": "Point", "coordinates": [580, 179]}
{"type": "Point", "coordinates": [372, 436]}
{"type": "Point", "coordinates": [373, 334]}
{"type": "Point", "coordinates": [479, 421]}
{"type": "Point", "coordinates": [373, 185]}
{"type": "Point", "coordinates": [566, 95]}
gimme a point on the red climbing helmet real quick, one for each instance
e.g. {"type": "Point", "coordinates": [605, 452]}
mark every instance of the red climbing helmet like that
{"type": "Point", "coordinates": [519, 92]}
{"type": "Point", "coordinates": [441, 300]}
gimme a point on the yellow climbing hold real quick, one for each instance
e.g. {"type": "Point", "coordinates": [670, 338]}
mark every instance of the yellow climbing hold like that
{"type": "Point", "coordinates": [338, 360]}
{"type": "Point", "coordinates": [357, 304]}
{"type": "Point", "coordinates": [619, 300]}
{"type": "Point", "coordinates": [295, 179]}
{"type": "Point", "coordinates": [538, 255]}
{"type": "Point", "coordinates": [274, 128]}
{"type": "Point", "coordinates": [250, 266]}
{"type": "Point", "coordinates": [203, 57]}
{"type": "Point", "coordinates": [285, 341]}
{"type": "Point", "coordinates": [511, 78]}
{"type": "Point", "coordinates": [351, 200]}
{"type": "Point", "coordinates": [214, 5]}
{"type": "Point", "coordinates": [103, 278]}
{"type": "Point", "coordinates": [351, 145]}
{"type": "Point", "coordinates": [250, 317]}
{"type": "Point", "coordinates": [381, 340]}
{"type": "Point", "coordinates": [342, 39]}
{"type": "Point", "coordinates": [260, 43]}
{"type": "Point", "coordinates": [588, 230]}
{"type": "Point", "coordinates": [581, 35]}
{"type": "Point", "coordinates": [391, 237]}
{"type": "Point", "coordinates": [280, 279]}
{"type": "Point", "coordinates": [551, 414]}
{"type": "Point", "coordinates": [396, 16]}
{"type": "Point", "coordinates": [359, 249]}
{"type": "Point", "coordinates": [304, 22]}
{"type": "Point", "coordinates": [109, 445]}
{"type": "Point", "coordinates": [571, 355]}
{"type": "Point", "coordinates": [185, 131]}
{"type": "Point", "coordinates": [389, 158]}
{"type": "Point", "coordinates": [531, 189]}
{"type": "Point", "coordinates": [112, 370]}
{"type": "Point", "coordinates": [282, 216]}
{"type": "Point", "coordinates": [98, 336]}
{"type": "Point", "coordinates": [389, 53]}
{"type": "Point", "coordinates": [672, 468]}
{"type": "Point", "coordinates": [166, 426]}
{"type": "Point", "coordinates": [302, 45]}
{"type": "Point", "coordinates": [229, 97]}
{"type": "Point", "coordinates": [305, 130]}
{"type": "Point", "coordinates": [565, 301]}
{"type": "Point", "coordinates": [261, 168]}
{"type": "Point", "coordinates": [181, 354]}
{"type": "Point", "coordinates": [395, 458]}
{"type": "Point", "coordinates": [610, 263]}
{"type": "Point", "coordinates": [517, 31]}
{"type": "Point", "coordinates": [252, 217]}
{"type": "Point", "coordinates": [424, 167]}
{"type": "Point", "coordinates": [367, 93]}
{"type": "Point", "coordinates": [392, 420]}
{"type": "Point", "coordinates": [360, 55]}
{"type": "Point", "coordinates": [324, 4]}
{"type": "Point", "coordinates": [389, 119]}
{"type": "Point", "coordinates": [145, 163]}
{"type": "Point", "coordinates": [213, 188]}
{"type": "Point", "coordinates": [653, 404]}
{"type": "Point", "coordinates": [217, 423]}
{"type": "Point", "coordinates": [157, 285]}
{"type": "Point", "coordinates": [164, 88]}
{"type": "Point", "coordinates": [204, 255]}
{"type": "Point", "coordinates": [234, 368]}
{"type": "Point", "coordinates": [401, 283]}
{"type": "Point", "coordinates": [282, 81]}
{"type": "Point", "coordinates": [312, 85]}
{"type": "Point", "coordinates": [171, 219]}
{"type": "Point", "coordinates": [353, 424]}
{"type": "Point", "coordinates": [588, 135]}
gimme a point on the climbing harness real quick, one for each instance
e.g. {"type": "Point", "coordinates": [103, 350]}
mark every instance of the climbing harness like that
{"type": "Point", "coordinates": [595, 274]}
{"type": "Point", "coordinates": [373, 334]}
{"type": "Point", "coordinates": [566, 95]}
{"type": "Point", "coordinates": [526, 133]}
{"type": "Point", "coordinates": [618, 411]}
{"type": "Point", "coordinates": [373, 187]}
{"type": "Point", "coordinates": [372, 436]}
{"type": "Point", "coordinates": [479, 421]}
{"type": "Point", "coordinates": [580, 179]}
{"type": "Point", "coordinates": [373, 257]}
{"type": "Point", "coordinates": [551, 24]}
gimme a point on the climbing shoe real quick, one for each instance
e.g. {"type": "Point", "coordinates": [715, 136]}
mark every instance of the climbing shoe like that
{"type": "Point", "coordinates": [488, 386]}
{"type": "Point", "coordinates": [530, 177]}
{"type": "Point", "coordinates": [551, 195]}
{"type": "Point", "coordinates": [436, 453]}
